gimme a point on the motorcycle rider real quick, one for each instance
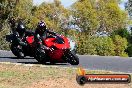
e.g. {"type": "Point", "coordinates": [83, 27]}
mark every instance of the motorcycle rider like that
{"type": "Point", "coordinates": [41, 33]}
{"type": "Point", "coordinates": [19, 32]}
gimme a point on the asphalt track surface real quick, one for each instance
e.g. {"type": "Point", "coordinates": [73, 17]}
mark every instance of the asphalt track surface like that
{"type": "Point", "coordinates": [117, 64]}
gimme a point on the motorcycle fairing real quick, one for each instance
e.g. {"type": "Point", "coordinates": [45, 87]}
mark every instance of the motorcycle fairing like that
{"type": "Point", "coordinates": [30, 39]}
{"type": "Point", "coordinates": [57, 54]}
{"type": "Point", "coordinates": [52, 42]}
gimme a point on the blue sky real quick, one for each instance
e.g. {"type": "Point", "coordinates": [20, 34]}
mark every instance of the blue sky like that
{"type": "Point", "coordinates": [67, 3]}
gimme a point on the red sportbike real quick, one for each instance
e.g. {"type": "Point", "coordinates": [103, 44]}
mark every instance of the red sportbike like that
{"type": "Point", "coordinates": [62, 50]}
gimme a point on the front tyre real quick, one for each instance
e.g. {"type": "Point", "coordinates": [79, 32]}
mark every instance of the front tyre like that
{"type": "Point", "coordinates": [72, 58]}
{"type": "Point", "coordinates": [16, 51]}
{"type": "Point", "coordinates": [20, 55]}
{"type": "Point", "coordinates": [75, 60]}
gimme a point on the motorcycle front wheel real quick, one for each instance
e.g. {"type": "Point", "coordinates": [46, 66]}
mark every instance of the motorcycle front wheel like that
{"type": "Point", "coordinates": [16, 51]}
{"type": "Point", "coordinates": [72, 58]}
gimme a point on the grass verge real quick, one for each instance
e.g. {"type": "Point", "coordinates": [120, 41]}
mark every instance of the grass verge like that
{"type": "Point", "coordinates": [20, 76]}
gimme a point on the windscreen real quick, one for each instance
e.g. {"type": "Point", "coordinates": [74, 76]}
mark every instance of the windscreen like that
{"type": "Point", "coordinates": [59, 40]}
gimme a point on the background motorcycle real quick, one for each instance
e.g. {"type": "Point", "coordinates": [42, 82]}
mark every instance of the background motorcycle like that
{"type": "Point", "coordinates": [23, 51]}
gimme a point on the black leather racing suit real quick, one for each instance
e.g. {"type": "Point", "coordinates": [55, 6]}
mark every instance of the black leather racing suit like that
{"type": "Point", "coordinates": [40, 35]}
{"type": "Point", "coordinates": [18, 36]}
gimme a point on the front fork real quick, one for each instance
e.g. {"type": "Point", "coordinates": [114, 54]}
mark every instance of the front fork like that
{"type": "Point", "coordinates": [66, 55]}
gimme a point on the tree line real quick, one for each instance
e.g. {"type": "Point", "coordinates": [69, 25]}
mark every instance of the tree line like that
{"type": "Point", "coordinates": [98, 26]}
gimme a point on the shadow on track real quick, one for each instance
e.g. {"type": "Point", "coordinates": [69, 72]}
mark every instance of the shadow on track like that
{"type": "Point", "coordinates": [26, 60]}
{"type": "Point", "coordinates": [16, 57]}
{"type": "Point", "coordinates": [44, 64]}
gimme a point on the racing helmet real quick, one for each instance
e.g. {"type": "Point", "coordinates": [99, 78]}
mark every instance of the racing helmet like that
{"type": "Point", "coordinates": [41, 25]}
{"type": "Point", "coordinates": [20, 28]}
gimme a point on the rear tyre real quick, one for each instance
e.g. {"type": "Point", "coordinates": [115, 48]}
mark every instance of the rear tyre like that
{"type": "Point", "coordinates": [41, 56]}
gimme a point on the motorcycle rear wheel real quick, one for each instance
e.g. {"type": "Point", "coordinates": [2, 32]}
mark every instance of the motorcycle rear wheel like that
{"type": "Point", "coordinates": [40, 56]}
